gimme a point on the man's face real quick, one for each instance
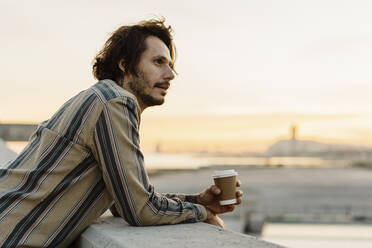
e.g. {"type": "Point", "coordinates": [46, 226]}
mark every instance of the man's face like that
{"type": "Point", "coordinates": [154, 74]}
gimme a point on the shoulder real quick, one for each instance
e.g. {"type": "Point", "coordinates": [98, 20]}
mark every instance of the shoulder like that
{"type": "Point", "coordinates": [106, 90]}
{"type": "Point", "coordinates": [112, 95]}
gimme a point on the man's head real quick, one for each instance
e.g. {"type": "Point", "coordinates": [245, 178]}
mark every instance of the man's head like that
{"type": "Point", "coordinates": [141, 59]}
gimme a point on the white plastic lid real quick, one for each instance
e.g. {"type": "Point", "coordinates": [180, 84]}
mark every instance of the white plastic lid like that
{"type": "Point", "coordinates": [224, 173]}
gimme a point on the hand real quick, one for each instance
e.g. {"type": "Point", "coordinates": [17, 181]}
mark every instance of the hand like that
{"type": "Point", "coordinates": [214, 219]}
{"type": "Point", "coordinates": [208, 198]}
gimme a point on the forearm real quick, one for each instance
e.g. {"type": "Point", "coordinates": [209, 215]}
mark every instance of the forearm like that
{"type": "Point", "coordinates": [149, 207]}
{"type": "Point", "coordinates": [193, 198]}
{"type": "Point", "coordinates": [162, 210]}
{"type": "Point", "coordinates": [180, 212]}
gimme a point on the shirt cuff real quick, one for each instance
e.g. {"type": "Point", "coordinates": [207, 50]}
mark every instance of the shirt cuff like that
{"type": "Point", "coordinates": [201, 212]}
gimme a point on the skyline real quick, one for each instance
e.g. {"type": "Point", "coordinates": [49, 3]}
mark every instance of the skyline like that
{"type": "Point", "coordinates": [243, 136]}
{"type": "Point", "coordinates": [247, 69]}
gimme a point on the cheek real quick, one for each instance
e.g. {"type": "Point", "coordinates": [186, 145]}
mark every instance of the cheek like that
{"type": "Point", "coordinates": [147, 84]}
{"type": "Point", "coordinates": [153, 74]}
{"type": "Point", "coordinates": [150, 80]}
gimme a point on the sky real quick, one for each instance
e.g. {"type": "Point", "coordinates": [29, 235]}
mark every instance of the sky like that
{"type": "Point", "coordinates": [248, 69]}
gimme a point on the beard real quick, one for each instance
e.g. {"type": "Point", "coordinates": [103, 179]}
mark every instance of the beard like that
{"type": "Point", "coordinates": [138, 85]}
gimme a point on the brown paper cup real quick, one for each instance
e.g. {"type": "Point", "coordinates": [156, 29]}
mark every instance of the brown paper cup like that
{"type": "Point", "coordinates": [226, 181]}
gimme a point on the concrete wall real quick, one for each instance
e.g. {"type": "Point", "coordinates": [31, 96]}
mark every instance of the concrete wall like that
{"type": "Point", "coordinates": [112, 232]}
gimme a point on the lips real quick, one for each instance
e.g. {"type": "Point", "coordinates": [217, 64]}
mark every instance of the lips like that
{"type": "Point", "coordinates": [163, 86]}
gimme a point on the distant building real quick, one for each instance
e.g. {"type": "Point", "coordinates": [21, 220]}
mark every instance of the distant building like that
{"type": "Point", "coordinates": [158, 148]}
{"type": "Point", "coordinates": [297, 147]}
{"type": "Point", "coordinates": [294, 132]}
{"type": "Point", "coordinates": [5, 154]}
{"type": "Point", "coordinates": [16, 132]}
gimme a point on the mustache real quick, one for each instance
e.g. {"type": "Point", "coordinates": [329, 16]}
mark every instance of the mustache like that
{"type": "Point", "coordinates": [161, 84]}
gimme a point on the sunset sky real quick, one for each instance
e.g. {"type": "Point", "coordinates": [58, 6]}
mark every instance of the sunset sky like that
{"type": "Point", "coordinates": [247, 69]}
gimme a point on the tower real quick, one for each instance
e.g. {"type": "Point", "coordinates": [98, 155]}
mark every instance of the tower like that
{"type": "Point", "coordinates": [294, 132]}
{"type": "Point", "coordinates": [293, 141]}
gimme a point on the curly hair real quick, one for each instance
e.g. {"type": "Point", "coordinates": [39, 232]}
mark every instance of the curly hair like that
{"type": "Point", "coordinates": [127, 43]}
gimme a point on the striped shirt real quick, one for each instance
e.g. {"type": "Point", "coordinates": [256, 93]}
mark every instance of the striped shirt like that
{"type": "Point", "coordinates": [78, 163]}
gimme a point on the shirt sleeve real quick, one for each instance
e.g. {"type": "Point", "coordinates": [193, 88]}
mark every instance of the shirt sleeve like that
{"type": "Point", "coordinates": [181, 197]}
{"type": "Point", "coordinates": [116, 140]}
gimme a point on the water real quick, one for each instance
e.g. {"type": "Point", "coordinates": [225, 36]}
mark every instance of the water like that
{"type": "Point", "coordinates": [194, 161]}
{"type": "Point", "coordinates": [302, 235]}
{"type": "Point", "coordinates": [318, 235]}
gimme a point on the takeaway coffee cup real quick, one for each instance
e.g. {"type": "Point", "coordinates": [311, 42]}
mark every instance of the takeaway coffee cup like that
{"type": "Point", "coordinates": [226, 181]}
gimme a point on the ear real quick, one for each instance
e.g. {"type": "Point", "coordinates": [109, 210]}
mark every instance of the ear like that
{"type": "Point", "coordinates": [121, 65]}
{"type": "Point", "coordinates": [127, 76]}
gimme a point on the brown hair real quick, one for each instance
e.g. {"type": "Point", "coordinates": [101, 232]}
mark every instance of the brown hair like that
{"type": "Point", "coordinates": [128, 43]}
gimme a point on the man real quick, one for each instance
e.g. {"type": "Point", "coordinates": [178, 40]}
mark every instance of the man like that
{"type": "Point", "coordinates": [86, 157]}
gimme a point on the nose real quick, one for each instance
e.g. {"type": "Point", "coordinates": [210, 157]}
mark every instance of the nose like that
{"type": "Point", "coordinates": [169, 74]}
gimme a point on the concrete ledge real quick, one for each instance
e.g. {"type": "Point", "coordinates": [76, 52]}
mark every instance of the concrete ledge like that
{"type": "Point", "coordinates": [116, 233]}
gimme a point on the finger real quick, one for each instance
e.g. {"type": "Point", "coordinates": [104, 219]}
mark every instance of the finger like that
{"type": "Point", "coordinates": [239, 193]}
{"type": "Point", "coordinates": [228, 208]}
{"type": "Point", "coordinates": [238, 201]}
{"type": "Point", "coordinates": [231, 208]}
{"type": "Point", "coordinates": [215, 190]}
{"type": "Point", "coordinates": [238, 183]}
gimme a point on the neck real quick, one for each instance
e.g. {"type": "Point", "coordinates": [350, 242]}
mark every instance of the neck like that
{"type": "Point", "coordinates": [140, 103]}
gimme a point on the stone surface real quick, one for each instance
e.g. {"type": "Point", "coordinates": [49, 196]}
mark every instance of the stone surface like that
{"type": "Point", "coordinates": [116, 233]}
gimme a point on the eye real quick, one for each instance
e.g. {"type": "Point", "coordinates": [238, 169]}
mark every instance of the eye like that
{"type": "Point", "coordinates": [158, 61]}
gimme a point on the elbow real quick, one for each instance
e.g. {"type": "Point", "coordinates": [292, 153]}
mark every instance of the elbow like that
{"type": "Point", "coordinates": [143, 222]}
{"type": "Point", "coordinates": [130, 219]}
{"type": "Point", "coordinates": [141, 218]}
{"type": "Point", "coordinates": [145, 218]}
{"type": "Point", "coordinates": [134, 223]}
{"type": "Point", "coordinates": [131, 222]}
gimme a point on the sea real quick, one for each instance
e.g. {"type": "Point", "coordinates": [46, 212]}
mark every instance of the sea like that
{"type": "Point", "coordinates": [199, 160]}
{"type": "Point", "coordinates": [318, 235]}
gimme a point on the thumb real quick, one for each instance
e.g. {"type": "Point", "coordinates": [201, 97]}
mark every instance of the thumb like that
{"type": "Point", "coordinates": [215, 190]}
